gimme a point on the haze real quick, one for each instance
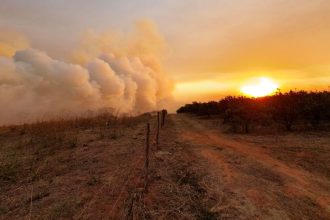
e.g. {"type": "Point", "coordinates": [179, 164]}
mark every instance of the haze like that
{"type": "Point", "coordinates": [208, 49]}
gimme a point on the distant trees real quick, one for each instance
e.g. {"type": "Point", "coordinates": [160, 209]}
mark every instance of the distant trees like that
{"type": "Point", "coordinates": [287, 109]}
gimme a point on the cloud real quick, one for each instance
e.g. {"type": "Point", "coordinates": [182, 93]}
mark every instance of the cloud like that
{"type": "Point", "coordinates": [126, 79]}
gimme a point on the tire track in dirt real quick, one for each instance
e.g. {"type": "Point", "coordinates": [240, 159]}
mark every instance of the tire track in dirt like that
{"type": "Point", "coordinates": [274, 188]}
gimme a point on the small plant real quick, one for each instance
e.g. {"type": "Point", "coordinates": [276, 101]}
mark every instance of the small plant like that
{"type": "Point", "coordinates": [23, 130]}
{"type": "Point", "coordinates": [93, 180]}
{"type": "Point", "coordinates": [205, 214]}
{"type": "Point", "coordinates": [3, 209]}
{"type": "Point", "coordinates": [73, 142]}
{"type": "Point", "coordinates": [114, 134]}
{"type": "Point", "coordinates": [39, 195]}
{"type": "Point", "coordinates": [63, 210]}
{"type": "Point", "coordinates": [9, 172]}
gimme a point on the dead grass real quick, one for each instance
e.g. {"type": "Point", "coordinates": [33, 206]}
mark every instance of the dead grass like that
{"type": "Point", "coordinates": [64, 162]}
{"type": "Point", "coordinates": [92, 168]}
{"type": "Point", "coordinates": [177, 189]}
{"type": "Point", "coordinates": [10, 170]}
{"type": "Point", "coordinates": [307, 149]}
{"type": "Point", "coordinates": [248, 184]}
{"type": "Point", "coordinates": [64, 209]}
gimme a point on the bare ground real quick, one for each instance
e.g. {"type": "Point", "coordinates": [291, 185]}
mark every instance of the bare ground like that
{"type": "Point", "coordinates": [199, 172]}
{"type": "Point", "coordinates": [258, 182]}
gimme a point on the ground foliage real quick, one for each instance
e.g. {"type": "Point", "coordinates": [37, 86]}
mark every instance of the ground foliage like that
{"type": "Point", "coordinates": [290, 109]}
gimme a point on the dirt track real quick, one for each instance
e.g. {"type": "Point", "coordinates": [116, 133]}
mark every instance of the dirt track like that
{"type": "Point", "coordinates": [199, 173]}
{"type": "Point", "coordinates": [251, 183]}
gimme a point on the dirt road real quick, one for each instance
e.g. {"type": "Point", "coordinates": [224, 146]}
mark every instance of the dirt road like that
{"type": "Point", "coordinates": [198, 172]}
{"type": "Point", "coordinates": [247, 182]}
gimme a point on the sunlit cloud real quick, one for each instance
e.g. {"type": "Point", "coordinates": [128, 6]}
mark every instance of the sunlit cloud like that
{"type": "Point", "coordinates": [124, 80]}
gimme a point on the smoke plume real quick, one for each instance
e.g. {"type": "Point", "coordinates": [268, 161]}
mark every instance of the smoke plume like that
{"type": "Point", "coordinates": [107, 71]}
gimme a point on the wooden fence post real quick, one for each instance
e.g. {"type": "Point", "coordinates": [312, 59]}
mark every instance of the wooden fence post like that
{"type": "Point", "coordinates": [146, 165]}
{"type": "Point", "coordinates": [130, 208]}
{"type": "Point", "coordinates": [157, 132]}
{"type": "Point", "coordinates": [163, 118]}
{"type": "Point", "coordinates": [164, 114]}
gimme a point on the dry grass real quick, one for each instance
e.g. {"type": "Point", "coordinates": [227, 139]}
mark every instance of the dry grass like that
{"type": "Point", "coordinates": [86, 170]}
{"type": "Point", "coordinates": [177, 189]}
{"type": "Point", "coordinates": [51, 169]}
{"type": "Point", "coordinates": [92, 168]}
{"type": "Point", "coordinates": [307, 149]}
{"type": "Point", "coordinates": [258, 176]}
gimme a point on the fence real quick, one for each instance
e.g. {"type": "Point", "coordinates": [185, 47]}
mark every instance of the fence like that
{"type": "Point", "coordinates": [161, 121]}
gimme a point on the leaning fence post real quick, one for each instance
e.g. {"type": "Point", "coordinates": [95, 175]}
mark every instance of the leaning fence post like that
{"type": "Point", "coordinates": [157, 132]}
{"type": "Point", "coordinates": [146, 165]}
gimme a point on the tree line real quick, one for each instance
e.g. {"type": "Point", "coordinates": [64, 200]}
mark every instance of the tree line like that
{"type": "Point", "coordinates": [293, 108]}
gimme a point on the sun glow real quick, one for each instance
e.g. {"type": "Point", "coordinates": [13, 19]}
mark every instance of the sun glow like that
{"type": "Point", "coordinates": [264, 87]}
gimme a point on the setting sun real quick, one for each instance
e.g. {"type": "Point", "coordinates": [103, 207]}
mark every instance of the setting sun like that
{"type": "Point", "coordinates": [263, 87]}
{"type": "Point", "coordinates": [164, 109]}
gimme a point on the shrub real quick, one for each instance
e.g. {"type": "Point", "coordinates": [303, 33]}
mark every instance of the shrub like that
{"type": "Point", "coordinates": [287, 109]}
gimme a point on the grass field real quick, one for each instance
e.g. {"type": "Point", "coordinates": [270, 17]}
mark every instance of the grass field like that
{"type": "Point", "coordinates": [94, 169]}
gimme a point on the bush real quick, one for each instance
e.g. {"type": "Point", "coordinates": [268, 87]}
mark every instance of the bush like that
{"type": "Point", "coordinates": [287, 109]}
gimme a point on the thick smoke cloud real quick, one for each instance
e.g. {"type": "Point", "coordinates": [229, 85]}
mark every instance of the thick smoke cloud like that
{"type": "Point", "coordinates": [34, 86]}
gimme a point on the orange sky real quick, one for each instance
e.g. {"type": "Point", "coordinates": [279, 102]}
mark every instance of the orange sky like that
{"type": "Point", "coordinates": [287, 41]}
{"type": "Point", "coordinates": [213, 47]}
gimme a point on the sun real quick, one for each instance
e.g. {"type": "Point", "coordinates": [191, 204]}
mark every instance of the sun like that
{"type": "Point", "coordinates": [265, 86]}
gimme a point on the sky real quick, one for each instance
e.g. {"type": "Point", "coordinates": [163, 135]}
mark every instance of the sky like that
{"type": "Point", "coordinates": [211, 47]}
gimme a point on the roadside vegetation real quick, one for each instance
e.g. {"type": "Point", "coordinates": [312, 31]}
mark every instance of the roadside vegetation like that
{"type": "Point", "coordinates": [294, 110]}
{"type": "Point", "coordinates": [51, 169]}
{"type": "Point", "coordinates": [94, 167]}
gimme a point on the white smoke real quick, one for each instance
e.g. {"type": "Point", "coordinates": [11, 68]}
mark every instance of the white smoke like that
{"type": "Point", "coordinates": [35, 86]}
